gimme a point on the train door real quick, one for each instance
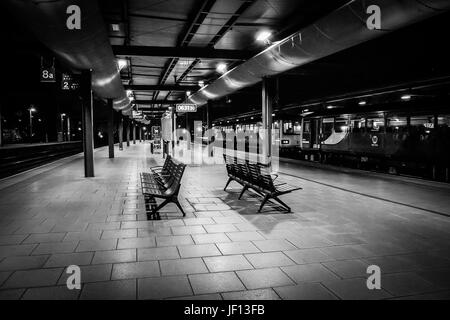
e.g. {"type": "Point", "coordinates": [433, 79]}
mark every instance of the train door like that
{"type": "Point", "coordinates": [315, 133]}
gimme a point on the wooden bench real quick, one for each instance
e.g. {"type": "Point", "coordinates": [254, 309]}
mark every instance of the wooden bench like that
{"type": "Point", "coordinates": [163, 183]}
{"type": "Point", "coordinates": [255, 176]}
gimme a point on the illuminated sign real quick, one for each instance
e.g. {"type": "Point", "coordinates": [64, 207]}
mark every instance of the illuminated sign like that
{"type": "Point", "coordinates": [284, 141]}
{"type": "Point", "coordinates": [374, 141]}
{"type": "Point", "coordinates": [186, 107]}
{"type": "Point", "coordinates": [47, 71]}
{"type": "Point", "coordinates": [69, 82]}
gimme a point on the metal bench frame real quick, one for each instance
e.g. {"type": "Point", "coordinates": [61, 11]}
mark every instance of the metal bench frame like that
{"type": "Point", "coordinates": [254, 176]}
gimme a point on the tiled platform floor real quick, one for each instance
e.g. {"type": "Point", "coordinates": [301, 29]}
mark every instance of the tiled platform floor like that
{"type": "Point", "coordinates": [52, 217]}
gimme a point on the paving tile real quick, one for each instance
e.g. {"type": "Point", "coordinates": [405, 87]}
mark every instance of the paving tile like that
{"type": "Point", "coordinates": [104, 226]}
{"type": "Point", "coordinates": [3, 276]}
{"type": "Point", "coordinates": [269, 259]}
{"type": "Point", "coordinates": [346, 252]}
{"type": "Point", "coordinates": [131, 270]}
{"type": "Point", "coordinates": [68, 259]}
{"type": "Point", "coordinates": [208, 297]}
{"type": "Point", "coordinates": [23, 263]}
{"type": "Point", "coordinates": [55, 247]}
{"type": "Point", "coordinates": [13, 294]}
{"type": "Point", "coordinates": [401, 284]}
{"type": "Point", "coordinates": [45, 237]}
{"type": "Point", "coordinates": [355, 289]}
{"type": "Point", "coordinates": [83, 235]}
{"type": "Point", "coordinates": [91, 273]}
{"type": "Point", "coordinates": [214, 228]}
{"type": "Point", "coordinates": [136, 243]}
{"type": "Point", "coordinates": [237, 247]}
{"type": "Point", "coordinates": [227, 263]}
{"type": "Point", "coordinates": [309, 273]}
{"type": "Point", "coordinates": [163, 287]}
{"type": "Point", "coordinates": [110, 290]}
{"type": "Point", "coordinates": [16, 250]}
{"type": "Point", "coordinates": [51, 293]}
{"type": "Point", "coordinates": [305, 291]}
{"type": "Point", "coordinates": [159, 253]}
{"type": "Point", "coordinates": [306, 256]}
{"type": "Point", "coordinates": [114, 256]}
{"type": "Point", "coordinates": [274, 245]}
{"type": "Point", "coordinates": [215, 282]}
{"type": "Point", "coordinates": [264, 278]}
{"type": "Point", "coordinates": [348, 268]}
{"type": "Point", "coordinates": [12, 239]}
{"type": "Point", "coordinates": [198, 250]}
{"type": "Point", "coordinates": [165, 241]}
{"type": "Point", "coordinates": [198, 221]}
{"type": "Point", "coordinates": [244, 236]}
{"type": "Point", "coordinates": [182, 266]}
{"type": "Point", "coordinates": [261, 294]}
{"type": "Point", "coordinates": [33, 278]}
{"type": "Point", "coordinates": [192, 229]}
{"type": "Point", "coordinates": [210, 238]}
{"type": "Point", "coordinates": [116, 234]}
{"type": "Point", "coordinates": [96, 245]}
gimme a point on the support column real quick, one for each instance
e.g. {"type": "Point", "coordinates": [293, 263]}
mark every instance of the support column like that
{"type": "Point", "coordinates": [267, 110]}
{"type": "Point", "coordinates": [69, 138]}
{"type": "Point", "coordinates": [134, 133]}
{"type": "Point", "coordinates": [111, 128]}
{"type": "Point", "coordinates": [208, 114]}
{"type": "Point", "coordinates": [128, 131]}
{"type": "Point", "coordinates": [88, 125]}
{"type": "Point", "coordinates": [140, 133]}
{"type": "Point", "coordinates": [121, 132]}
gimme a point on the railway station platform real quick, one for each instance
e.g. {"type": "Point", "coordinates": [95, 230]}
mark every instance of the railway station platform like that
{"type": "Point", "coordinates": [52, 217]}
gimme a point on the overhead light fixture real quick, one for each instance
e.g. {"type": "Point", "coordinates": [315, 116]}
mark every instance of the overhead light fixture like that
{"type": "Point", "coordinates": [406, 97]}
{"type": "Point", "coordinates": [362, 103]}
{"type": "Point", "coordinates": [330, 107]}
{"type": "Point", "coordinates": [122, 63]}
{"type": "Point", "coordinates": [201, 83]}
{"type": "Point", "coordinates": [264, 36]}
{"type": "Point", "coordinates": [221, 67]}
{"type": "Point", "coordinates": [306, 110]}
{"type": "Point", "coordinates": [188, 93]}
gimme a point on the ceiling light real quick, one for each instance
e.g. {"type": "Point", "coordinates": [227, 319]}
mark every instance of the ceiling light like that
{"type": "Point", "coordinates": [406, 97]}
{"type": "Point", "coordinates": [201, 83]}
{"type": "Point", "coordinates": [221, 67]}
{"type": "Point", "coordinates": [188, 93]}
{"type": "Point", "coordinates": [122, 63]}
{"type": "Point", "coordinates": [264, 36]}
{"type": "Point", "coordinates": [306, 110]}
{"type": "Point", "coordinates": [362, 103]}
{"type": "Point", "coordinates": [330, 107]}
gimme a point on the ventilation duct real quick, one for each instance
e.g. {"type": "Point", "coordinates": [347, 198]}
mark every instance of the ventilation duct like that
{"type": "Point", "coordinates": [342, 29]}
{"type": "Point", "coordinates": [84, 49]}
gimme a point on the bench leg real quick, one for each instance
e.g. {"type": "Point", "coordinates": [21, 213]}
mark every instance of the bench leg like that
{"type": "Point", "coordinates": [243, 191]}
{"type": "Point", "coordinates": [283, 204]}
{"type": "Point", "coordinates": [179, 207]}
{"type": "Point", "coordinates": [226, 186]}
{"type": "Point", "coordinates": [162, 205]}
{"type": "Point", "coordinates": [266, 198]}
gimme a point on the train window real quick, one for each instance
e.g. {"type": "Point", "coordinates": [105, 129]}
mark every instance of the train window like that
{"type": "Point", "coordinates": [290, 127]}
{"type": "Point", "coordinates": [444, 121]}
{"type": "Point", "coordinates": [341, 125]}
{"type": "Point", "coordinates": [397, 124]}
{"type": "Point", "coordinates": [357, 125]}
{"type": "Point", "coordinates": [327, 128]}
{"type": "Point", "coordinates": [375, 124]}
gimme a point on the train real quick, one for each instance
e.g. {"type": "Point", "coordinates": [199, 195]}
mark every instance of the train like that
{"type": "Point", "coordinates": [407, 142]}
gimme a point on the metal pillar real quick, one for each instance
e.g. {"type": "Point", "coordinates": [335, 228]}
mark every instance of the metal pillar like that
{"type": "Point", "coordinates": [88, 125]}
{"type": "Point", "coordinates": [134, 133]}
{"type": "Point", "coordinates": [208, 114]}
{"type": "Point", "coordinates": [111, 128]}
{"type": "Point", "coordinates": [267, 110]}
{"type": "Point", "coordinates": [128, 131]}
{"type": "Point", "coordinates": [68, 129]}
{"type": "Point", "coordinates": [121, 133]}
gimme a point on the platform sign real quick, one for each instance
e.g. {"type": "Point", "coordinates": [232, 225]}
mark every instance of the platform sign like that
{"type": "Point", "coordinates": [69, 82]}
{"type": "Point", "coordinates": [186, 107]}
{"type": "Point", "coordinates": [47, 71]}
{"type": "Point", "coordinates": [138, 115]}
